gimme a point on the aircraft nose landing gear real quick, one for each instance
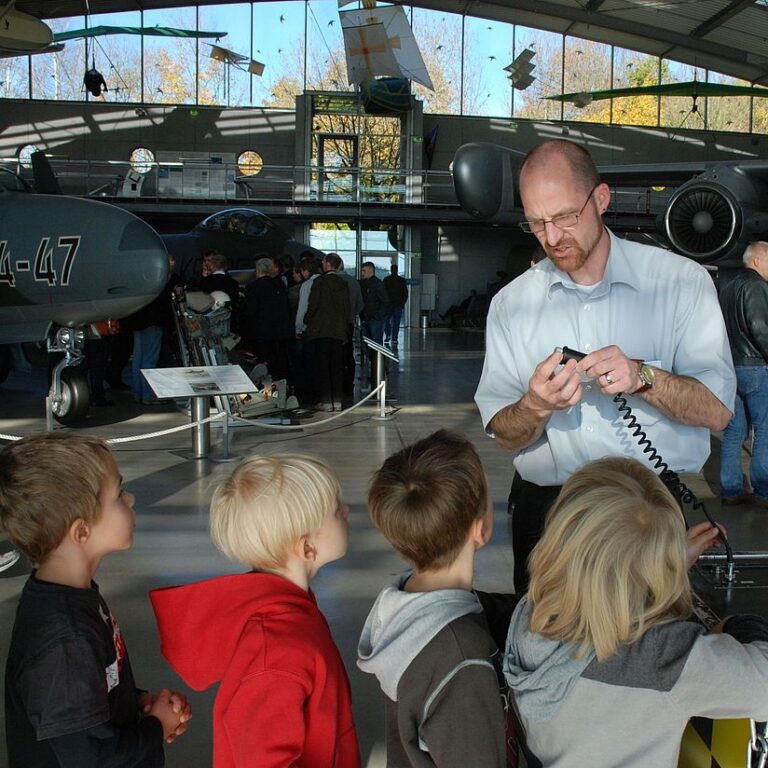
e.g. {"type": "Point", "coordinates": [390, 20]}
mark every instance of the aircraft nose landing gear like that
{"type": "Point", "coordinates": [69, 394]}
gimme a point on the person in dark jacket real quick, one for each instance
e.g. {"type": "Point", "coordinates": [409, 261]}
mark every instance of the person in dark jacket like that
{"type": "Point", "coordinates": [149, 323]}
{"type": "Point", "coordinates": [265, 319]}
{"type": "Point", "coordinates": [397, 293]}
{"type": "Point", "coordinates": [375, 309]}
{"type": "Point", "coordinates": [326, 319]}
{"type": "Point", "coordinates": [220, 280]}
{"type": "Point", "coordinates": [745, 308]}
{"type": "Point", "coordinates": [375, 303]}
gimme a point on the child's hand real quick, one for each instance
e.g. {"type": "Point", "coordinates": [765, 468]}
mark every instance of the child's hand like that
{"type": "Point", "coordinates": [702, 537]}
{"type": "Point", "coordinates": [171, 709]}
{"type": "Point", "coordinates": [184, 709]}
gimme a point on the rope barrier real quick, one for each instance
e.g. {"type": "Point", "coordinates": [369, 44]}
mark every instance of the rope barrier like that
{"type": "Point", "coordinates": [221, 416]}
{"type": "Point", "coordinates": [161, 432]}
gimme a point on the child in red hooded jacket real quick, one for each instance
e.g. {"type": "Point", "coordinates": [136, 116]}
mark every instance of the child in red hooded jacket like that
{"type": "Point", "coordinates": [284, 698]}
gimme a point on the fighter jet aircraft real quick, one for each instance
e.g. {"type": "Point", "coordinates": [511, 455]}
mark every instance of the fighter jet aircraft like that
{"type": "Point", "coordinates": [66, 263]}
{"type": "Point", "coordinates": [241, 234]}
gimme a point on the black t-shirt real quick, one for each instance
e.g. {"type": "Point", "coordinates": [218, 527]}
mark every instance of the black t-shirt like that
{"type": "Point", "coordinates": [70, 697]}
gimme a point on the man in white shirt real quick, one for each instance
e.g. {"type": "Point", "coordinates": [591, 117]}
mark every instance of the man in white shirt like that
{"type": "Point", "coordinates": [649, 321]}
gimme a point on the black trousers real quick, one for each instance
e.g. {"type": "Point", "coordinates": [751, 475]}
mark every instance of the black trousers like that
{"type": "Point", "coordinates": [531, 504]}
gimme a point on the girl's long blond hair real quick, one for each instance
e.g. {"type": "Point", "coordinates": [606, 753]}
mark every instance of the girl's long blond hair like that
{"type": "Point", "coordinates": [612, 560]}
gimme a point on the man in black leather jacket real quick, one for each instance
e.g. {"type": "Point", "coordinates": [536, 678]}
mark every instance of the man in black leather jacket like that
{"type": "Point", "coordinates": [745, 308]}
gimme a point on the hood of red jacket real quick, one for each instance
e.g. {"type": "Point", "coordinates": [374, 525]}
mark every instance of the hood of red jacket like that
{"type": "Point", "coordinates": [200, 624]}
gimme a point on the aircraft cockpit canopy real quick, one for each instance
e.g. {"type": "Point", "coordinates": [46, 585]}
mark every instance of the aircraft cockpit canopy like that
{"type": "Point", "coordinates": [241, 220]}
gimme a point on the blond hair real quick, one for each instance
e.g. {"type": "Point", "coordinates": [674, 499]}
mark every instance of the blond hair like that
{"type": "Point", "coordinates": [268, 503]}
{"type": "Point", "coordinates": [48, 481]}
{"type": "Point", "coordinates": [612, 560]}
{"type": "Point", "coordinates": [425, 498]}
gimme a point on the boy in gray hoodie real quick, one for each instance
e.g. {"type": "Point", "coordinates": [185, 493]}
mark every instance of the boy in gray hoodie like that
{"type": "Point", "coordinates": [426, 638]}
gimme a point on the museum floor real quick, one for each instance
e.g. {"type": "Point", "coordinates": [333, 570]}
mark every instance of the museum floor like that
{"type": "Point", "coordinates": [432, 388]}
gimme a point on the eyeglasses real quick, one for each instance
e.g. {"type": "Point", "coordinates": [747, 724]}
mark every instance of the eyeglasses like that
{"type": "Point", "coordinates": [563, 221]}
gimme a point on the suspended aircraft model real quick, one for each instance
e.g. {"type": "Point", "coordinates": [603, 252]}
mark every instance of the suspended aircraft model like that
{"type": "Point", "coordinates": [66, 263]}
{"type": "Point", "coordinates": [716, 209]}
{"type": "Point", "coordinates": [20, 33]}
{"type": "Point", "coordinates": [380, 41]}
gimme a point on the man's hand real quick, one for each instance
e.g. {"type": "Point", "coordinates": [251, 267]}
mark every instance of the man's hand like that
{"type": "Point", "coordinates": [522, 423]}
{"type": "Point", "coordinates": [611, 370]}
{"type": "Point", "coordinates": [550, 391]}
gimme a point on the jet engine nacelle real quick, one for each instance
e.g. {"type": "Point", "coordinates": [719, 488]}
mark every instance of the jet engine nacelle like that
{"type": "Point", "coordinates": [713, 217]}
{"type": "Point", "coordinates": [484, 180]}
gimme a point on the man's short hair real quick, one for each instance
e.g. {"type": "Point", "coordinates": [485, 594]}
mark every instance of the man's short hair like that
{"type": "Point", "coordinates": [578, 158]}
{"type": "Point", "coordinates": [756, 248]}
{"type": "Point", "coordinates": [48, 481]}
{"type": "Point", "coordinates": [612, 561]}
{"type": "Point", "coordinates": [268, 503]}
{"type": "Point", "coordinates": [311, 265]}
{"type": "Point", "coordinates": [218, 261]}
{"type": "Point", "coordinates": [425, 498]}
{"type": "Point", "coordinates": [264, 265]}
{"type": "Point", "coordinates": [334, 260]}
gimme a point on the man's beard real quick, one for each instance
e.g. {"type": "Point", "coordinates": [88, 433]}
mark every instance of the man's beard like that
{"type": "Point", "coordinates": [577, 255]}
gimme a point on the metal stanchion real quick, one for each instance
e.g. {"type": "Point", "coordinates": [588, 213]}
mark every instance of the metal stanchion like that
{"type": "Point", "coordinates": [381, 353]}
{"type": "Point", "coordinates": [201, 434]}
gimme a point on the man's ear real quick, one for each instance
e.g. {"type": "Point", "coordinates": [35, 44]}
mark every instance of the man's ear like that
{"type": "Point", "coordinates": [603, 197]}
{"type": "Point", "coordinates": [305, 550]}
{"type": "Point", "coordinates": [79, 532]}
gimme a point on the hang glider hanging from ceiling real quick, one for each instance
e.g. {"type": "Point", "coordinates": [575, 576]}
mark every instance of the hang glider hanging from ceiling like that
{"type": "Point", "coordinates": [380, 41]}
{"type": "Point", "coordinates": [103, 30]}
{"type": "Point", "coordinates": [692, 88]}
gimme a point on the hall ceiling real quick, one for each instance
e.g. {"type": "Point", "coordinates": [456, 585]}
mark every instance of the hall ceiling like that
{"type": "Point", "coordinates": [727, 36]}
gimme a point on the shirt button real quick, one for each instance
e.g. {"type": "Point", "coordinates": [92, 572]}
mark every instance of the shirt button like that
{"type": "Point", "coordinates": [588, 387]}
{"type": "Point", "coordinates": [586, 307]}
{"type": "Point", "coordinates": [590, 429]}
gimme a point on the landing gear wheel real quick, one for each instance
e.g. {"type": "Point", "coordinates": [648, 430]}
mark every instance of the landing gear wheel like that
{"type": "Point", "coordinates": [75, 398]}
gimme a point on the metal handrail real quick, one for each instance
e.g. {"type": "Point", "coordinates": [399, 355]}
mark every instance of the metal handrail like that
{"type": "Point", "coordinates": [291, 184]}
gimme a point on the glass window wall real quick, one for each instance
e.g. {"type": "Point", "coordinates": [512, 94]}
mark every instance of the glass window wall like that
{"type": "Point", "coordinates": [302, 48]}
{"type": "Point", "coordinates": [548, 46]}
{"type": "Point", "coordinates": [438, 36]}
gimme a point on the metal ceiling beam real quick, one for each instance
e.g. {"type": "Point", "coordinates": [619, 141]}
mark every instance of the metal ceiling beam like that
{"type": "Point", "coordinates": [593, 5]}
{"type": "Point", "coordinates": [523, 10]}
{"type": "Point", "coordinates": [736, 6]}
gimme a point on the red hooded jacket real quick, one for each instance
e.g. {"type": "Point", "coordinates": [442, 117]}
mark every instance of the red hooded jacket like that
{"type": "Point", "coordinates": [284, 697]}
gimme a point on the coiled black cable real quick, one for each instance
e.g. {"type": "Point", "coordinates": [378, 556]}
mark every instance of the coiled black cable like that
{"type": "Point", "coordinates": [670, 479]}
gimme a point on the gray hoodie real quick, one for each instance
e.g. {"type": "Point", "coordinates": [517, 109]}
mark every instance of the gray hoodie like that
{"type": "Point", "coordinates": [440, 670]}
{"type": "Point", "coordinates": [631, 709]}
